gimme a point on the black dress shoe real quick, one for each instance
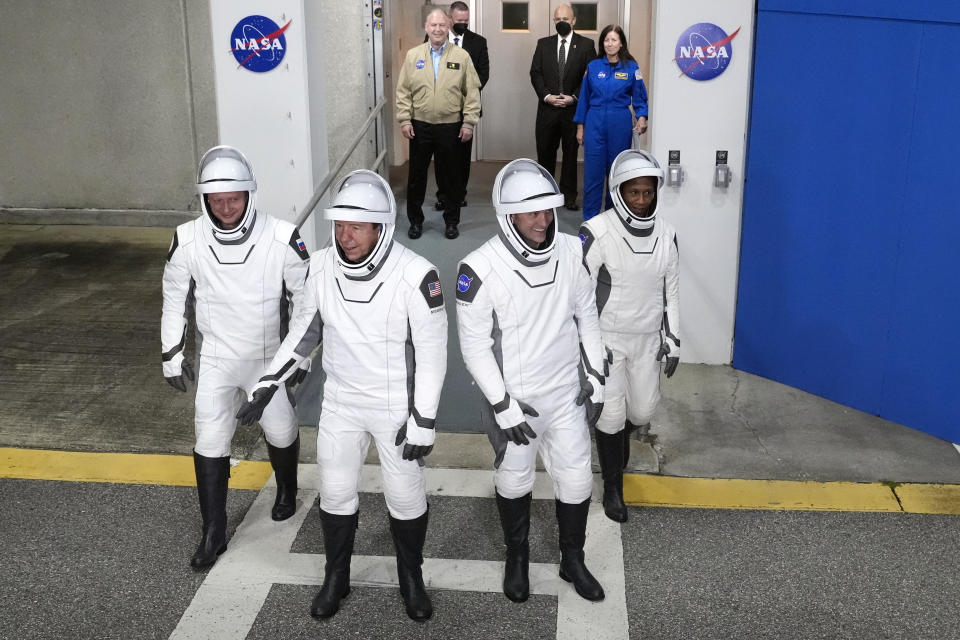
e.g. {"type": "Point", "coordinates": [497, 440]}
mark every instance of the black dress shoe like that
{"type": "Point", "coordinates": [439, 205]}
{"type": "Point", "coordinates": [463, 203]}
{"type": "Point", "coordinates": [415, 231]}
{"type": "Point", "coordinates": [451, 231]}
{"type": "Point", "coordinates": [572, 205]}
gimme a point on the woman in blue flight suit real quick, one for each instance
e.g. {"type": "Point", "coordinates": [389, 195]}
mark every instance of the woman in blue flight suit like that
{"type": "Point", "coordinates": [604, 123]}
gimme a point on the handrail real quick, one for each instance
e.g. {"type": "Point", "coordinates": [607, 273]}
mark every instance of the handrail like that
{"type": "Point", "coordinates": [328, 179]}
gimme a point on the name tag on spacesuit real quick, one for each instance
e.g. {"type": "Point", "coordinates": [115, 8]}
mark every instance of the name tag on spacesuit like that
{"type": "Point", "coordinates": [620, 75]}
{"type": "Point", "coordinates": [453, 65]}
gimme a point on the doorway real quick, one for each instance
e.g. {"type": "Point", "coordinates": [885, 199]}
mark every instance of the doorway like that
{"type": "Point", "coordinates": [509, 102]}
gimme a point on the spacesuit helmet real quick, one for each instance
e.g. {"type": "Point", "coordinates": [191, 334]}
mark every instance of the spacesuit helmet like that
{"type": "Point", "coordinates": [363, 196]}
{"type": "Point", "coordinates": [523, 186]}
{"type": "Point", "coordinates": [224, 169]}
{"type": "Point", "coordinates": [630, 164]}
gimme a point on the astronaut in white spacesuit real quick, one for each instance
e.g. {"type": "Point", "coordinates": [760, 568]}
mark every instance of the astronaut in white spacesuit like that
{"type": "Point", "coordinates": [379, 309]}
{"type": "Point", "coordinates": [634, 262]}
{"type": "Point", "coordinates": [530, 337]}
{"type": "Point", "coordinates": [239, 270]}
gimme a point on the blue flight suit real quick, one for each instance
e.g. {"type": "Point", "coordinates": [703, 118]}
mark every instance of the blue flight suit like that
{"type": "Point", "coordinates": [604, 110]}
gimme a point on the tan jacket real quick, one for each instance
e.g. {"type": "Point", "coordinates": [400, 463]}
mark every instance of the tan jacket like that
{"type": "Point", "coordinates": [456, 90]}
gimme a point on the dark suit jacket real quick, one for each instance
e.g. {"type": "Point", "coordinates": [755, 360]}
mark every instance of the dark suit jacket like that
{"type": "Point", "coordinates": [544, 74]}
{"type": "Point", "coordinates": [476, 45]}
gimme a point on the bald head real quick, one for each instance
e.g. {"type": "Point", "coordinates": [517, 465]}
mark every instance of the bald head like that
{"type": "Point", "coordinates": [437, 27]}
{"type": "Point", "coordinates": [564, 13]}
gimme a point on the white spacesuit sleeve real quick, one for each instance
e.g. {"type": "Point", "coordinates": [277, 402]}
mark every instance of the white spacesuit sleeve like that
{"type": "Point", "coordinates": [671, 295]}
{"type": "Point", "coordinates": [177, 288]}
{"type": "Point", "coordinates": [305, 331]}
{"type": "Point", "coordinates": [475, 322]}
{"type": "Point", "coordinates": [427, 320]}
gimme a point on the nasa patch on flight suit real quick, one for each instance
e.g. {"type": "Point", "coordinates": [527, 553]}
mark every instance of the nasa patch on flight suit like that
{"type": "Point", "coordinates": [453, 65]}
{"type": "Point", "coordinates": [468, 283]}
{"type": "Point", "coordinates": [637, 75]}
{"type": "Point", "coordinates": [620, 75]}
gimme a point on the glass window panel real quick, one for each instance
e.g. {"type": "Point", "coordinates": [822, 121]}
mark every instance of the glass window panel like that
{"type": "Point", "coordinates": [586, 15]}
{"type": "Point", "coordinates": [515, 16]}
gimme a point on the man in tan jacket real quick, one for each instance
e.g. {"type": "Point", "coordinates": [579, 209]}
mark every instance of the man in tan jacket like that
{"type": "Point", "coordinates": [438, 104]}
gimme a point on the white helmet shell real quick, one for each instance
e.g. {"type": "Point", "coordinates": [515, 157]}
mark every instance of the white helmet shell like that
{"type": "Point", "coordinates": [630, 164]}
{"type": "Point", "coordinates": [363, 196]}
{"type": "Point", "coordinates": [523, 186]}
{"type": "Point", "coordinates": [225, 169]}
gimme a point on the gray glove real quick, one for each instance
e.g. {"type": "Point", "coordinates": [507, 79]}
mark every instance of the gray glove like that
{"type": "Point", "coordinates": [253, 408]}
{"type": "Point", "coordinates": [186, 371]}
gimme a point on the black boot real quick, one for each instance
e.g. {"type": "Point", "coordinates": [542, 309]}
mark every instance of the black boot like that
{"type": "Point", "coordinates": [284, 462]}
{"type": "Point", "coordinates": [338, 535]}
{"type": "Point", "coordinates": [212, 475]}
{"type": "Point", "coordinates": [610, 453]}
{"type": "Point", "coordinates": [572, 521]}
{"type": "Point", "coordinates": [515, 520]}
{"type": "Point", "coordinates": [408, 538]}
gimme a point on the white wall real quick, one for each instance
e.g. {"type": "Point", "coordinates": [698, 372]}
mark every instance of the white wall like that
{"type": "Point", "coordinates": [267, 115]}
{"type": "Point", "coordinates": [698, 118]}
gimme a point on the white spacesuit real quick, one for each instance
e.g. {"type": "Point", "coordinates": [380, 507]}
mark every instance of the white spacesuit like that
{"type": "Point", "coordinates": [634, 262]}
{"type": "Point", "coordinates": [527, 319]}
{"type": "Point", "coordinates": [238, 270]}
{"type": "Point", "coordinates": [384, 335]}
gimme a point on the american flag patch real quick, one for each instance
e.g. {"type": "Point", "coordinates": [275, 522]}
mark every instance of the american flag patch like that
{"type": "Point", "coordinates": [434, 288]}
{"type": "Point", "coordinates": [300, 244]}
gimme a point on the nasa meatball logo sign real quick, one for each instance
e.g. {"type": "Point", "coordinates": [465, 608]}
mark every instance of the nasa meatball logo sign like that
{"type": "Point", "coordinates": [258, 43]}
{"type": "Point", "coordinates": [704, 51]}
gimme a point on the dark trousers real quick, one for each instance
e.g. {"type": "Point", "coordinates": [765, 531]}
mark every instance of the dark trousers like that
{"type": "Point", "coordinates": [440, 142]}
{"type": "Point", "coordinates": [466, 148]}
{"type": "Point", "coordinates": [555, 128]}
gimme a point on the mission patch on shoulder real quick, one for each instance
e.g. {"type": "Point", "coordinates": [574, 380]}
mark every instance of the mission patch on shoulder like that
{"type": "Point", "coordinates": [430, 288]}
{"type": "Point", "coordinates": [299, 246]}
{"type": "Point", "coordinates": [468, 283]}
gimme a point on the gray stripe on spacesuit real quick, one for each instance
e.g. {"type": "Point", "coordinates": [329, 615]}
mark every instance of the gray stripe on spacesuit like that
{"type": "Point", "coordinates": [168, 355]}
{"type": "Point", "coordinates": [191, 309]}
{"type": "Point", "coordinates": [423, 423]}
{"type": "Point", "coordinates": [284, 310]}
{"type": "Point", "coordinates": [641, 253]}
{"type": "Point", "coordinates": [410, 360]}
{"type": "Point", "coordinates": [604, 285]}
{"type": "Point", "coordinates": [586, 364]}
{"type": "Point", "coordinates": [556, 266]}
{"type": "Point", "coordinates": [497, 334]}
{"type": "Point", "coordinates": [217, 258]}
{"type": "Point", "coordinates": [498, 440]}
{"type": "Point", "coordinates": [503, 405]}
{"type": "Point", "coordinates": [372, 295]}
{"type": "Point", "coordinates": [666, 321]}
{"type": "Point", "coordinates": [311, 337]}
{"type": "Point", "coordinates": [279, 374]}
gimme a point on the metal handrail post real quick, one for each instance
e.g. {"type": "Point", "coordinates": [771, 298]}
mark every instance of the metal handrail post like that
{"type": "Point", "coordinates": [328, 179]}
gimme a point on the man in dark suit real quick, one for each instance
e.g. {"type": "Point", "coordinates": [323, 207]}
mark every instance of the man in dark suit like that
{"type": "Point", "coordinates": [476, 45]}
{"type": "Point", "coordinates": [559, 63]}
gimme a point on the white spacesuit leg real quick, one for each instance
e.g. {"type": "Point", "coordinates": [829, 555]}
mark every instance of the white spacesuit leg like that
{"type": "Point", "coordinates": [565, 448]}
{"type": "Point", "coordinates": [643, 379]}
{"type": "Point", "coordinates": [404, 486]}
{"type": "Point", "coordinates": [342, 443]}
{"type": "Point", "coordinates": [219, 395]}
{"type": "Point", "coordinates": [615, 393]}
{"type": "Point", "coordinates": [516, 474]}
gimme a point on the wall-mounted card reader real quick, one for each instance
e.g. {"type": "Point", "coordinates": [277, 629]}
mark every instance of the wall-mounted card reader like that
{"type": "Point", "coordinates": [721, 173]}
{"type": "Point", "coordinates": [674, 170]}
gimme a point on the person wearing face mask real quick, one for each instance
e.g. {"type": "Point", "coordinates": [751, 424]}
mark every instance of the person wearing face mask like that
{"type": "Point", "coordinates": [634, 262]}
{"type": "Point", "coordinates": [475, 45]}
{"type": "Point", "coordinates": [530, 337]}
{"type": "Point", "coordinates": [605, 125]}
{"type": "Point", "coordinates": [556, 72]}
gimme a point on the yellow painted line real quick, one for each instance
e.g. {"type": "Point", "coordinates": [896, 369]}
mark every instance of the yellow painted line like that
{"type": "Point", "coordinates": [718, 493]}
{"type": "Point", "coordinates": [929, 498]}
{"type": "Point", "coordinates": [125, 468]}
